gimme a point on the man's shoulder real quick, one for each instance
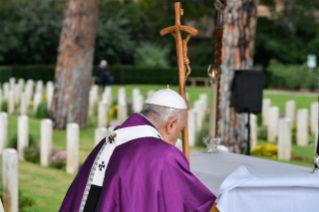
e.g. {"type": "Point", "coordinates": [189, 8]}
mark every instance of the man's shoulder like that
{"type": "Point", "coordinates": [154, 146]}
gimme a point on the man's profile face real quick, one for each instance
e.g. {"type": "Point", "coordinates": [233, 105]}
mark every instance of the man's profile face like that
{"type": "Point", "coordinates": [176, 128]}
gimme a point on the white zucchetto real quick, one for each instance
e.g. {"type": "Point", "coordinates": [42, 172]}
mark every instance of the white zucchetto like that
{"type": "Point", "coordinates": [167, 98]}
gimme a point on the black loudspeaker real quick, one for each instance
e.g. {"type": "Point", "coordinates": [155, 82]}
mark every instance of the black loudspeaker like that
{"type": "Point", "coordinates": [247, 91]}
{"type": "Point", "coordinates": [247, 94]}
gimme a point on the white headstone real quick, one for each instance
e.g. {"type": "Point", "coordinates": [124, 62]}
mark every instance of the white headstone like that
{"type": "Point", "coordinates": [100, 133]}
{"type": "Point", "coordinates": [135, 100]}
{"type": "Point", "coordinates": [203, 97]}
{"type": "Point", "coordinates": [284, 139]}
{"type": "Point", "coordinates": [29, 90]}
{"type": "Point", "coordinates": [5, 91]}
{"type": "Point", "coordinates": [253, 131]}
{"type": "Point", "coordinates": [50, 92]}
{"type": "Point", "coordinates": [272, 122]}
{"type": "Point", "coordinates": [265, 107]}
{"type": "Point", "coordinates": [290, 111]}
{"type": "Point", "coordinates": [122, 113]}
{"type": "Point", "coordinates": [302, 127]}
{"type": "Point", "coordinates": [1, 99]}
{"type": "Point", "coordinates": [17, 94]}
{"type": "Point", "coordinates": [39, 87]}
{"type": "Point", "coordinates": [122, 106]}
{"type": "Point", "coordinates": [107, 95]}
{"type": "Point", "coordinates": [37, 101]}
{"type": "Point", "coordinates": [95, 90]}
{"type": "Point", "coordinates": [121, 96]}
{"type": "Point", "coordinates": [91, 103]}
{"type": "Point", "coordinates": [23, 135]}
{"type": "Point", "coordinates": [150, 92]}
{"type": "Point", "coordinates": [11, 103]}
{"type": "Point", "coordinates": [23, 105]}
{"type": "Point", "coordinates": [198, 105]}
{"type": "Point", "coordinates": [46, 142]}
{"type": "Point", "coordinates": [3, 131]}
{"type": "Point", "coordinates": [10, 180]}
{"type": "Point", "coordinates": [102, 114]}
{"type": "Point", "coordinates": [314, 117]}
{"type": "Point", "coordinates": [21, 84]}
{"type": "Point", "coordinates": [72, 161]}
{"type": "Point", "coordinates": [191, 123]}
{"type": "Point", "coordinates": [12, 82]}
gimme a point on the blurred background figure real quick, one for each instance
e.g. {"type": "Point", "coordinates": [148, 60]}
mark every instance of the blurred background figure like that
{"type": "Point", "coordinates": [103, 76]}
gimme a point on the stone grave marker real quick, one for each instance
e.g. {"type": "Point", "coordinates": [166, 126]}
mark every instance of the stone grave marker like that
{"type": "Point", "coordinates": [265, 107]}
{"type": "Point", "coordinates": [284, 139]}
{"type": "Point", "coordinates": [272, 122]}
{"type": "Point", "coordinates": [72, 160]}
{"type": "Point", "coordinates": [10, 180]}
{"type": "Point", "coordinates": [23, 135]}
{"type": "Point", "coordinates": [302, 127]}
{"type": "Point", "coordinates": [3, 131]}
{"type": "Point", "coordinates": [46, 142]}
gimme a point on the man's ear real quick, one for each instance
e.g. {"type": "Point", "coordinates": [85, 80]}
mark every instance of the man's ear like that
{"type": "Point", "coordinates": [171, 124]}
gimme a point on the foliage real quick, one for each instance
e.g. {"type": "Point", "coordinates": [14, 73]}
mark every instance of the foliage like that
{"type": "Point", "coordinates": [32, 154]}
{"type": "Point", "coordinates": [151, 55]}
{"type": "Point", "coordinates": [265, 150]}
{"type": "Point", "coordinates": [30, 31]}
{"type": "Point", "coordinates": [292, 76]}
{"type": "Point", "coordinates": [13, 141]}
{"type": "Point", "coordinates": [290, 35]}
{"type": "Point", "coordinates": [202, 55]}
{"type": "Point", "coordinates": [113, 111]}
{"type": "Point", "coordinates": [42, 110]}
{"type": "Point", "coordinates": [26, 203]}
{"type": "Point", "coordinates": [113, 40]}
{"type": "Point", "coordinates": [262, 133]}
{"type": "Point", "coordinates": [58, 160]}
{"type": "Point", "coordinates": [4, 106]}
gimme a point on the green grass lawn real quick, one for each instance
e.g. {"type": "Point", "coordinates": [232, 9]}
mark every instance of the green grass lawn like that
{"type": "Point", "coordinates": [279, 100]}
{"type": "Point", "coordinates": [49, 186]}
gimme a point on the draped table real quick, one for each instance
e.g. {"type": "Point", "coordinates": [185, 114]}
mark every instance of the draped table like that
{"type": "Point", "coordinates": [243, 183]}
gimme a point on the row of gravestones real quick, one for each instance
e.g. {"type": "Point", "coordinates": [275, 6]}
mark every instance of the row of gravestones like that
{"type": "Point", "coordinates": [196, 115]}
{"type": "Point", "coordinates": [279, 129]}
{"type": "Point", "coordinates": [11, 156]}
{"type": "Point", "coordinates": [20, 94]}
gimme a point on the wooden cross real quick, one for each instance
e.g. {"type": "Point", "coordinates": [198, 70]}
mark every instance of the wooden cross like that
{"type": "Point", "coordinates": [182, 59]}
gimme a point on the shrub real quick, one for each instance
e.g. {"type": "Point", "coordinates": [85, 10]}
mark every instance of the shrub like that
{"type": "Point", "coordinates": [151, 55]}
{"type": "Point", "coordinates": [262, 133]}
{"type": "Point", "coordinates": [26, 203]}
{"type": "Point", "coordinates": [292, 76]}
{"type": "Point", "coordinates": [58, 160]}
{"type": "Point", "coordinates": [32, 154]}
{"type": "Point", "coordinates": [42, 110]}
{"type": "Point", "coordinates": [4, 106]}
{"type": "Point", "coordinates": [13, 141]}
{"type": "Point", "coordinates": [266, 150]}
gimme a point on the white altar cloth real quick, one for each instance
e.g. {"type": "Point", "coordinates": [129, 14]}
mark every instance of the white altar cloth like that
{"type": "Point", "coordinates": [243, 183]}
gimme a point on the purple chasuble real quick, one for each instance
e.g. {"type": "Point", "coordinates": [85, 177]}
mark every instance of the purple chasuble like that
{"type": "Point", "coordinates": [145, 174]}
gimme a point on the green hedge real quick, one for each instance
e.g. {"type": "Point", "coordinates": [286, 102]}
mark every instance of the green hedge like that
{"type": "Point", "coordinates": [281, 76]}
{"type": "Point", "coordinates": [121, 74]}
{"type": "Point", "coordinates": [292, 77]}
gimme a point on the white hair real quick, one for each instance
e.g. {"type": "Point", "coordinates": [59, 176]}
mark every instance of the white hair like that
{"type": "Point", "coordinates": [103, 63]}
{"type": "Point", "coordinates": [161, 114]}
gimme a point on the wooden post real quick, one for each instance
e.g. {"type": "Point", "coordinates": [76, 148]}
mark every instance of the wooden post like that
{"type": "Point", "coordinates": [176, 32]}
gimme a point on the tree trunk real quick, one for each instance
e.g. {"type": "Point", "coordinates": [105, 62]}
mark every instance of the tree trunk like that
{"type": "Point", "coordinates": [240, 19]}
{"type": "Point", "coordinates": [74, 64]}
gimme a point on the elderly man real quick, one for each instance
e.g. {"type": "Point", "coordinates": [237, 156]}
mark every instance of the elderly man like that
{"type": "Point", "coordinates": [138, 168]}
